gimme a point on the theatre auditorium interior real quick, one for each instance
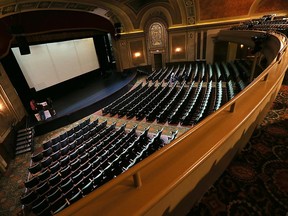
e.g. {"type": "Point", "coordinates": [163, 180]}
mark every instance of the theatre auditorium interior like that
{"type": "Point", "coordinates": [132, 107]}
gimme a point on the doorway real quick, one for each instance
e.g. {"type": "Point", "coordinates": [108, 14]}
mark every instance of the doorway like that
{"type": "Point", "coordinates": [158, 61]}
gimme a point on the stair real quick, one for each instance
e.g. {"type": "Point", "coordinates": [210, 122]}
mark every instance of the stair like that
{"type": "Point", "coordinates": [24, 140]}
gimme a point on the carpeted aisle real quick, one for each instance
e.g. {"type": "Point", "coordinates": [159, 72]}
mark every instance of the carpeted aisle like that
{"type": "Point", "coordinates": [256, 182]}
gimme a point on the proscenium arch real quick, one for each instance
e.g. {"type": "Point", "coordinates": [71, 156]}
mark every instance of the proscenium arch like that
{"type": "Point", "coordinates": [120, 14]}
{"type": "Point", "coordinates": [115, 13]}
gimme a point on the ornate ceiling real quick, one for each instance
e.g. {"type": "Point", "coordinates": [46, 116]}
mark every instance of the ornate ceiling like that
{"type": "Point", "coordinates": [133, 14]}
{"type": "Point", "coordinates": [33, 18]}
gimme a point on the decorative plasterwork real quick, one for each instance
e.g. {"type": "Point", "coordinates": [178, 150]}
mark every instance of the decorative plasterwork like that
{"type": "Point", "coordinates": [137, 5]}
{"type": "Point", "coordinates": [34, 5]}
{"type": "Point", "coordinates": [190, 9]}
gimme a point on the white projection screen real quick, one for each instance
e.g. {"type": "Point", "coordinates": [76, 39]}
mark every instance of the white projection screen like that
{"type": "Point", "coordinates": [52, 63]}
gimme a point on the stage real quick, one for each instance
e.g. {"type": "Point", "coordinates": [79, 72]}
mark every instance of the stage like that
{"type": "Point", "coordinates": [84, 98]}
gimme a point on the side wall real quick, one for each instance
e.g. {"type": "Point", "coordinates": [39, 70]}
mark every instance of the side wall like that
{"type": "Point", "coordinates": [184, 44]}
{"type": "Point", "coordinates": [12, 113]}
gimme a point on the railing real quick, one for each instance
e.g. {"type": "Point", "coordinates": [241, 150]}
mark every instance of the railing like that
{"type": "Point", "coordinates": [172, 179]}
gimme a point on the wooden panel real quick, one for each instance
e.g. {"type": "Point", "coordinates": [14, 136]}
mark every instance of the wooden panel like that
{"type": "Point", "coordinates": [11, 108]}
{"type": "Point", "coordinates": [137, 52]}
{"type": "Point", "coordinates": [178, 47]}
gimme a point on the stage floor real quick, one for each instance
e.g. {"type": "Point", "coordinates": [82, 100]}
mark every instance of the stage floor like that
{"type": "Point", "coordinates": [85, 99]}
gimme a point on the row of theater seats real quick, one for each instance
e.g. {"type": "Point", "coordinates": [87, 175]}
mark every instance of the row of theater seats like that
{"type": "Point", "coordinates": [158, 107]}
{"type": "Point", "coordinates": [183, 72]}
{"type": "Point", "coordinates": [172, 103]}
{"type": "Point", "coordinates": [174, 117]}
{"type": "Point", "coordinates": [73, 169]}
{"type": "Point", "coordinates": [120, 102]}
{"type": "Point", "coordinates": [202, 108]}
{"type": "Point", "coordinates": [191, 108]}
{"type": "Point", "coordinates": [198, 71]}
{"type": "Point", "coordinates": [147, 108]}
{"type": "Point", "coordinates": [177, 103]}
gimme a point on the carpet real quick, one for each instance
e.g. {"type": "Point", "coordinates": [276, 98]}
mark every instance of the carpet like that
{"type": "Point", "coordinates": [256, 181]}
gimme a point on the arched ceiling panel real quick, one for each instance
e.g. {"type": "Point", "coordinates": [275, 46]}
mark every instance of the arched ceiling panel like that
{"type": "Point", "coordinates": [164, 10]}
{"type": "Point", "coordinates": [265, 6]}
{"type": "Point", "coordinates": [219, 9]}
{"type": "Point", "coordinates": [137, 5]}
{"type": "Point", "coordinates": [130, 12]}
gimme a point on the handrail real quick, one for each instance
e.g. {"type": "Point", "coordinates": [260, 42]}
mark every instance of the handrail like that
{"type": "Point", "coordinates": [136, 170]}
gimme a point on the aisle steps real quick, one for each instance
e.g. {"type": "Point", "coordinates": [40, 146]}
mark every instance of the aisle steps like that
{"type": "Point", "coordinates": [24, 140]}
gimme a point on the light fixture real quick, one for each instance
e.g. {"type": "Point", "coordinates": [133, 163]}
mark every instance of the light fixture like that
{"type": "Point", "coordinates": [137, 54]}
{"type": "Point", "coordinates": [178, 49]}
{"type": "Point", "coordinates": [241, 46]}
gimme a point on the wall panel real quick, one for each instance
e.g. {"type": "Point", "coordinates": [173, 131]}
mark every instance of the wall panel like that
{"type": "Point", "coordinates": [178, 47]}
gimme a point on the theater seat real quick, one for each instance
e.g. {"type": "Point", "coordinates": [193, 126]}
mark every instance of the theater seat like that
{"type": "Point", "coordinates": [31, 182]}
{"type": "Point", "coordinates": [35, 168]}
{"type": "Point", "coordinates": [87, 188]}
{"type": "Point", "coordinates": [29, 197]}
{"type": "Point", "coordinates": [76, 197]}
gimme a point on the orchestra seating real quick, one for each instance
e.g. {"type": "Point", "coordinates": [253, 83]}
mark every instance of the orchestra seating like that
{"type": "Point", "coordinates": [199, 90]}
{"type": "Point", "coordinates": [82, 159]}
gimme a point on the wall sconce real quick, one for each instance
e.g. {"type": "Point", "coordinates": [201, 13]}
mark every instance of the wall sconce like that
{"type": "Point", "coordinates": [137, 54]}
{"type": "Point", "coordinates": [241, 46]}
{"type": "Point", "coordinates": [178, 49]}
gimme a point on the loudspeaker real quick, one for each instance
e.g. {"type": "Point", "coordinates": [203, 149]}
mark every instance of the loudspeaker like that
{"type": "Point", "coordinates": [23, 45]}
{"type": "Point", "coordinates": [118, 30]}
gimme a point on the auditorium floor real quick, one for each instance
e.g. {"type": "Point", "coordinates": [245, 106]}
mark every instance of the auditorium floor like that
{"type": "Point", "coordinates": [12, 182]}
